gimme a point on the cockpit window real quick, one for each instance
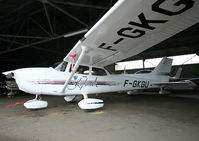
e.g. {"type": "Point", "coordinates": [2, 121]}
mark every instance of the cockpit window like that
{"type": "Point", "coordinates": [56, 65]}
{"type": "Point", "coordinates": [98, 72]}
{"type": "Point", "coordinates": [81, 70]}
{"type": "Point", "coordinates": [143, 71]}
{"type": "Point", "coordinates": [63, 66]}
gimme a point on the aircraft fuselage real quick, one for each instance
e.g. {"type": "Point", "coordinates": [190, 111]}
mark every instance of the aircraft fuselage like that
{"type": "Point", "coordinates": [50, 82]}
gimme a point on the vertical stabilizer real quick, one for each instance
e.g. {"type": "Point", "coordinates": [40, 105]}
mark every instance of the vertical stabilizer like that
{"type": "Point", "coordinates": [177, 76]}
{"type": "Point", "coordinates": [164, 67]}
{"type": "Point", "coordinates": [178, 73]}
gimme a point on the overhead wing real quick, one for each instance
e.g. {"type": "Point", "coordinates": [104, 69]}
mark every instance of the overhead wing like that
{"type": "Point", "coordinates": [132, 26]}
{"type": "Point", "coordinates": [186, 84]}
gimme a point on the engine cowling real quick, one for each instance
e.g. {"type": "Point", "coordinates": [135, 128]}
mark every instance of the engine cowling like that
{"type": "Point", "coordinates": [91, 104]}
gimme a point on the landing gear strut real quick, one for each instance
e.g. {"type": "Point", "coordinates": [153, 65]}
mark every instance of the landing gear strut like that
{"type": "Point", "coordinates": [37, 97]}
{"type": "Point", "coordinates": [162, 91]}
{"type": "Point", "coordinates": [36, 103]}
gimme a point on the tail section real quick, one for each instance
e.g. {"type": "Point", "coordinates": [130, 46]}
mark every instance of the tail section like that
{"type": "Point", "coordinates": [178, 74]}
{"type": "Point", "coordinates": [164, 67]}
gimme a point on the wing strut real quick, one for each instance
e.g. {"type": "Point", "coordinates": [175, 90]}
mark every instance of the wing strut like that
{"type": "Point", "coordinates": [84, 49]}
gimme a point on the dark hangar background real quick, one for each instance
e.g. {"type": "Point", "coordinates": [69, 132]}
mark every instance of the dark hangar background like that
{"type": "Point", "coordinates": [31, 32]}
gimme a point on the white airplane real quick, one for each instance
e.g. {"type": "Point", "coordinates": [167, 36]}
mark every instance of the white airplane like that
{"type": "Point", "coordinates": [128, 28]}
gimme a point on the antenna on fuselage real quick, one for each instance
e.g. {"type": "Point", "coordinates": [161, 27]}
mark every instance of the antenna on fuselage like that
{"type": "Point", "coordinates": [124, 69]}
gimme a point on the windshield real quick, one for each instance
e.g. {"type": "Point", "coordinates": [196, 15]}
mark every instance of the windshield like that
{"type": "Point", "coordinates": [60, 66]}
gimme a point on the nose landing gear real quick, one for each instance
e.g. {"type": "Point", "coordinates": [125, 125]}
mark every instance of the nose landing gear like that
{"type": "Point", "coordinates": [36, 103]}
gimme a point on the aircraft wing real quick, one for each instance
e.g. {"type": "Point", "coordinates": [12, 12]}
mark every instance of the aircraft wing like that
{"type": "Point", "coordinates": [185, 84]}
{"type": "Point", "coordinates": [132, 26]}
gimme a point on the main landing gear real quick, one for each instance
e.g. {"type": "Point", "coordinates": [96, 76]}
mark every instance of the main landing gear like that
{"type": "Point", "coordinates": [90, 103]}
{"type": "Point", "coordinates": [36, 103]}
{"type": "Point", "coordinates": [86, 103]}
{"type": "Point", "coordinates": [163, 91]}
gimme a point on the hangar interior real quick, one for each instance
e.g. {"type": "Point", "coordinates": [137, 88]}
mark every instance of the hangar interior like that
{"type": "Point", "coordinates": [32, 33]}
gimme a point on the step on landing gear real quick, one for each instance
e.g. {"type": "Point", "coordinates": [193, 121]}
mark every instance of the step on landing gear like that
{"type": "Point", "coordinates": [36, 103]}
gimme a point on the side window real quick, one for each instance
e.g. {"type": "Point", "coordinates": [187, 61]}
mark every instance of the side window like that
{"type": "Point", "coordinates": [81, 70]}
{"type": "Point", "coordinates": [98, 72]}
{"type": "Point", "coordinates": [63, 66]}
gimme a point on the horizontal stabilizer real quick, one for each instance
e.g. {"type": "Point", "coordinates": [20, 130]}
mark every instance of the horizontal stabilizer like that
{"type": "Point", "coordinates": [186, 84]}
{"type": "Point", "coordinates": [195, 81]}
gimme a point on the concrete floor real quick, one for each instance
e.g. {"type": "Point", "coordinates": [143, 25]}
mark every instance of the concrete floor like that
{"type": "Point", "coordinates": [124, 118]}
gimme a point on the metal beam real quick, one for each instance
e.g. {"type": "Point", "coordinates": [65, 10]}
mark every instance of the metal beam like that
{"type": "Point", "coordinates": [43, 41]}
{"type": "Point", "coordinates": [36, 23]}
{"type": "Point", "coordinates": [38, 48]}
{"type": "Point", "coordinates": [18, 8]}
{"type": "Point", "coordinates": [68, 14]}
{"type": "Point", "coordinates": [13, 39]}
{"type": "Point", "coordinates": [20, 19]}
{"type": "Point", "coordinates": [19, 36]}
{"type": "Point", "coordinates": [111, 2]}
{"type": "Point", "coordinates": [143, 64]}
{"type": "Point", "coordinates": [35, 12]}
{"type": "Point", "coordinates": [75, 33]}
{"type": "Point", "coordinates": [47, 16]}
{"type": "Point", "coordinates": [80, 5]}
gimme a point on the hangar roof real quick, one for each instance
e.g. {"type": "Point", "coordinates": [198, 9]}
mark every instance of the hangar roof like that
{"type": "Point", "coordinates": [32, 32]}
